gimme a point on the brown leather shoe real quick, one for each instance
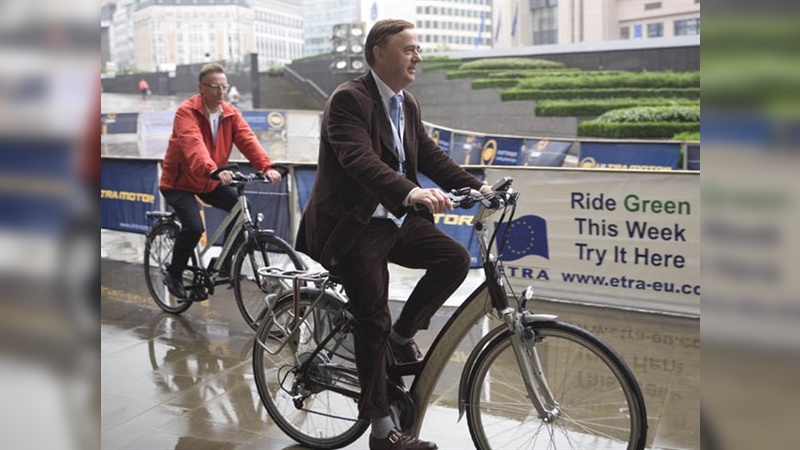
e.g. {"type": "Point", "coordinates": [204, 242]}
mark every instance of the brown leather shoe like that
{"type": "Point", "coordinates": [397, 440]}
{"type": "Point", "coordinates": [408, 353]}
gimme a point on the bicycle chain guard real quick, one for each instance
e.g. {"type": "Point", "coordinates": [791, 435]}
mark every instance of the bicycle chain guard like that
{"type": "Point", "coordinates": [401, 405]}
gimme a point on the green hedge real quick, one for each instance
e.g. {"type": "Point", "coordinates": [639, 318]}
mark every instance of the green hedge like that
{"type": "Point", "coordinates": [585, 108]}
{"type": "Point", "coordinates": [516, 93]}
{"type": "Point", "coordinates": [488, 73]}
{"type": "Point", "coordinates": [510, 64]}
{"type": "Point", "coordinates": [458, 74]}
{"type": "Point", "coordinates": [545, 73]}
{"type": "Point", "coordinates": [641, 114]}
{"type": "Point", "coordinates": [687, 136]}
{"type": "Point", "coordinates": [647, 130]}
{"type": "Point", "coordinates": [439, 58]}
{"type": "Point", "coordinates": [484, 83]}
{"type": "Point", "coordinates": [648, 80]}
{"type": "Point", "coordinates": [445, 65]}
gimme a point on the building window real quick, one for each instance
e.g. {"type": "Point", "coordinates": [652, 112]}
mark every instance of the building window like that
{"type": "Point", "coordinates": [650, 6]}
{"type": "Point", "coordinates": [625, 32]}
{"type": "Point", "coordinates": [687, 27]}
{"type": "Point", "coordinates": [655, 29]}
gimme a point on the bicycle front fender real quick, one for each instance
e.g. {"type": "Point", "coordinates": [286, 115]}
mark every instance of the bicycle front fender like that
{"type": "Point", "coordinates": [469, 366]}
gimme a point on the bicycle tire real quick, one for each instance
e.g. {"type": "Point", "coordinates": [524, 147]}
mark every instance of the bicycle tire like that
{"type": "Point", "coordinates": [159, 244]}
{"type": "Point", "coordinates": [327, 419]}
{"type": "Point", "coordinates": [601, 404]}
{"type": "Point", "coordinates": [252, 291]}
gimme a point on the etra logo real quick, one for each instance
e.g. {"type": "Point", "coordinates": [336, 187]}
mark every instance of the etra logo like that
{"type": "Point", "coordinates": [276, 120]}
{"type": "Point", "coordinates": [526, 236]}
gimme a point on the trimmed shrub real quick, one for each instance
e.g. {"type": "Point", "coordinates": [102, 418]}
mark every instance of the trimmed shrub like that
{"type": "Point", "coordinates": [484, 83]}
{"type": "Point", "coordinates": [510, 64]}
{"type": "Point", "coordinates": [585, 108]}
{"type": "Point", "coordinates": [687, 136]}
{"type": "Point", "coordinates": [439, 58]}
{"type": "Point", "coordinates": [458, 74]}
{"type": "Point", "coordinates": [517, 93]}
{"type": "Point", "coordinates": [544, 73]}
{"type": "Point", "coordinates": [647, 80]}
{"type": "Point", "coordinates": [642, 130]}
{"type": "Point", "coordinates": [445, 65]}
{"type": "Point", "coordinates": [642, 114]}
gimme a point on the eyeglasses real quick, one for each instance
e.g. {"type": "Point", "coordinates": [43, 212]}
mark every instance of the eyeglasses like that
{"type": "Point", "coordinates": [224, 87]}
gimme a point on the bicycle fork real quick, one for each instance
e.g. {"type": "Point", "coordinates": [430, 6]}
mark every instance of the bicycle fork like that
{"type": "Point", "coordinates": [523, 341]}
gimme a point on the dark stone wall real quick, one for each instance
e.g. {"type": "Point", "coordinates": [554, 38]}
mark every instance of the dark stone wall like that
{"type": "Point", "coordinates": [184, 82]}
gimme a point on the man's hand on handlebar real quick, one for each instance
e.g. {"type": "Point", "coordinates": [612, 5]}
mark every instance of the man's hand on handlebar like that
{"type": "Point", "coordinates": [273, 176]}
{"type": "Point", "coordinates": [434, 200]}
{"type": "Point", "coordinates": [225, 177]}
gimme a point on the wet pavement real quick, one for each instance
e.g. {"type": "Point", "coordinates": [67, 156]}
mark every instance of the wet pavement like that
{"type": "Point", "coordinates": [185, 382]}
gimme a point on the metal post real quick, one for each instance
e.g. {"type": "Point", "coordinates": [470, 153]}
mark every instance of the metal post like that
{"type": "Point", "coordinates": [255, 86]}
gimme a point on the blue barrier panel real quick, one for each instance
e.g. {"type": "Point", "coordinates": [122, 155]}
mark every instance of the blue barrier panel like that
{"type": "Point", "coordinates": [543, 153]}
{"type": "Point", "coordinates": [272, 200]}
{"type": "Point", "coordinates": [633, 155]}
{"type": "Point", "coordinates": [456, 223]}
{"type": "Point", "coordinates": [692, 156]}
{"type": "Point", "coordinates": [37, 184]}
{"type": "Point", "coordinates": [442, 138]}
{"type": "Point", "coordinates": [122, 123]}
{"type": "Point", "coordinates": [467, 148]}
{"type": "Point", "coordinates": [500, 151]}
{"type": "Point", "coordinates": [304, 177]}
{"type": "Point", "coordinates": [128, 189]}
{"type": "Point", "coordinates": [265, 120]}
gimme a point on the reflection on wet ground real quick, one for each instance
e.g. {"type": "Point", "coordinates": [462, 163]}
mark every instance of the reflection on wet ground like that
{"type": "Point", "coordinates": [185, 382]}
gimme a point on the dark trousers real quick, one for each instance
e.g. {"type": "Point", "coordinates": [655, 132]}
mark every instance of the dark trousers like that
{"type": "Point", "coordinates": [365, 275]}
{"type": "Point", "coordinates": [188, 211]}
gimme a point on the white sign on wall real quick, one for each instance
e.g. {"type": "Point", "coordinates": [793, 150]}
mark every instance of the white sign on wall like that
{"type": "Point", "coordinates": [611, 237]}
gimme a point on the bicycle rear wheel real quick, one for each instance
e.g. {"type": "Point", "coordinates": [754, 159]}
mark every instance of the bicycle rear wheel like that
{"type": "Point", "coordinates": [157, 256]}
{"type": "Point", "coordinates": [600, 403]}
{"type": "Point", "coordinates": [307, 412]}
{"type": "Point", "coordinates": [253, 291]}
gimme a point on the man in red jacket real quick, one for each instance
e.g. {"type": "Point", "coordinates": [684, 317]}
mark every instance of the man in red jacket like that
{"type": "Point", "coordinates": [203, 133]}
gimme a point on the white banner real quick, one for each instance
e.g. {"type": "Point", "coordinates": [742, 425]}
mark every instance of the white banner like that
{"type": "Point", "coordinates": [609, 237]}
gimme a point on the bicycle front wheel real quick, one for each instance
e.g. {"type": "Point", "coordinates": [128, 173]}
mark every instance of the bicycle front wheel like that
{"type": "Point", "coordinates": [253, 291]}
{"type": "Point", "coordinates": [157, 257]}
{"type": "Point", "coordinates": [599, 403]}
{"type": "Point", "coordinates": [295, 399]}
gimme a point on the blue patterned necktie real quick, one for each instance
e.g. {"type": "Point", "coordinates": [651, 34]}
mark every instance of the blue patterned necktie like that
{"type": "Point", "coordinates": [394, 116]}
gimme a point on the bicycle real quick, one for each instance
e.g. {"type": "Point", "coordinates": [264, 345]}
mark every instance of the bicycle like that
{"type": "Point", "coordinates": [531, 382]}
{"type": "Point", "coordinates": [258, 248]}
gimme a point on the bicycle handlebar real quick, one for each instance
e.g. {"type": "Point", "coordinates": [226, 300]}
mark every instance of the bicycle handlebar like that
{"type": "Point", "coordinates": [500, 197]}
{"type": "Point", "coordinates": [239, 177]}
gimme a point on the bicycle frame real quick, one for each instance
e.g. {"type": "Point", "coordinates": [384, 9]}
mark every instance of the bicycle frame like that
{"type": "Point", "coordinates": [483, 301]}
{"type": "Point", "coordinates": [240, 214]}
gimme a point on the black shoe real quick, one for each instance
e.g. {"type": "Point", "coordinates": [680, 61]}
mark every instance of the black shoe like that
{"type": "Point", "coordinates": [174, 285]}
{"type": "Point", "coordinates": [397, 440]}
{"type": "Point", "coordinates": [408, 353]}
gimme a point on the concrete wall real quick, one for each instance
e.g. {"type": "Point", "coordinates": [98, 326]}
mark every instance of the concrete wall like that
{"type": "Point", "coordinates": [454, 104]}
{"type": "Point", "coordinates": [184, 82]}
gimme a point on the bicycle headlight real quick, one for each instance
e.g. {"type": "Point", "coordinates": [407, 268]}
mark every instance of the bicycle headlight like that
{"type": "Point", "coordinates": [259, 217]}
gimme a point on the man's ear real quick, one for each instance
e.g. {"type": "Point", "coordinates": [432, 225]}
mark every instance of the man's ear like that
{"type": "Point", "coordinates": [377, 52]}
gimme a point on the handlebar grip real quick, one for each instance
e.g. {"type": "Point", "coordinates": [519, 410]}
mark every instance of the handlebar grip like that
{"type": "Point", "coordinates": [282, 169]}
{"type": "Point", "coordinates": [215, 174]}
